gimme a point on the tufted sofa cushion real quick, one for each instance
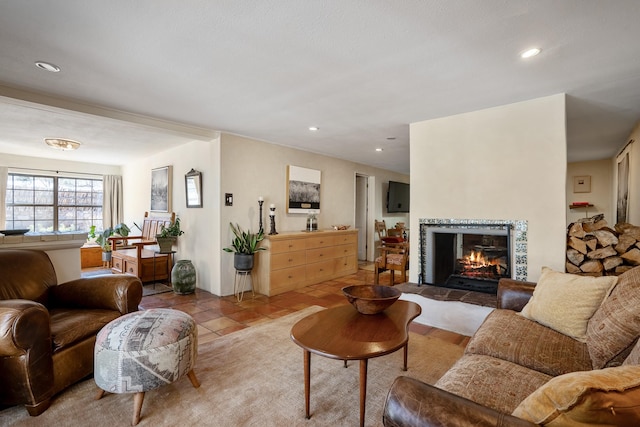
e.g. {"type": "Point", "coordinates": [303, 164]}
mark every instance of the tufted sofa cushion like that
{"type": "Point", "coordinates": [508, 336]}
{"type": "Point", "coordinates": [615, 326]}
{"type": "Point", "coordinates": [495, 383]}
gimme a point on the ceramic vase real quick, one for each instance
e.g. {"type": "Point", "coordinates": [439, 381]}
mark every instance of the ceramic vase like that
{"type": "Point", "coordinates": [183, 277]}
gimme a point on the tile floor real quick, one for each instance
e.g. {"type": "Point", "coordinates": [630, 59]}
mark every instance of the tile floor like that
{"type": "Point", "coordinates": [217, 316]}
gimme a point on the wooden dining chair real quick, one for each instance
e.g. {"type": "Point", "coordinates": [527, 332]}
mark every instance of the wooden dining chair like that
{"type": "Point", "coordinates": [392, 258]}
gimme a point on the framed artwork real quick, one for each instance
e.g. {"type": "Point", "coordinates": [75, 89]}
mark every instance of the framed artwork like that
{"type": "Point", "coordinates": [622, 196]}
{"type": "Point", "coordinates": [303, 190]}
{"type": "Point", "coordinates": [582, 184]}
{"type": "Point", "coordinates": [193, 188]}
{"type": "Point", "coordinates": [161, 179]}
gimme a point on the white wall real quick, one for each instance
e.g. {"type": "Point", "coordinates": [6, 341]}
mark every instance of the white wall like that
{"type": "Point", "coordinates": [502, 163]}
{"type": "Point", "coordinates": [251, 168]}
{"type": "Point", "coordinates": [601, 173]}
{"type": "Point", "coordinates": [201, 240]}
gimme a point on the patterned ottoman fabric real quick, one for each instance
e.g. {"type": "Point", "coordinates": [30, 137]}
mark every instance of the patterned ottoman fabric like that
{"type": "Point", "coordinates": [144, 350]}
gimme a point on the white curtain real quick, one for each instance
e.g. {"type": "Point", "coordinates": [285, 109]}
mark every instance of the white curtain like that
{"type": "Point", "coordinates": [112, 212]}
{"type": "Point", "coordinates": [4, 175]}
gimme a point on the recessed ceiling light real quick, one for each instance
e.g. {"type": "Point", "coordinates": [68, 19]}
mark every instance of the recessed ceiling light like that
{"type": "Point", "coordinates": [529, 53]}
{"type": "Point", "coordinates": [62, 143]}
{"type": "Point", "coordinates": [378, 149]}
{"type": "Point", "coordinates": [313, 128]}
{"type": "Point", "coordinates": [47, 66]}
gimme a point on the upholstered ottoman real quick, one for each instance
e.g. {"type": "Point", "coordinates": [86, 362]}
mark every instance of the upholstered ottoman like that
{"type": "Point", "coordinates": [144, 350]}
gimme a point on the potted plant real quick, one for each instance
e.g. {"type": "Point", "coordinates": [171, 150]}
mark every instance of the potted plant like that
{"type": "Point", "coordinates": [120, 230]}
{"type": "Point", "coordinates": [169, 235]}
{"type": "Point", "coordinates": [244, 245]}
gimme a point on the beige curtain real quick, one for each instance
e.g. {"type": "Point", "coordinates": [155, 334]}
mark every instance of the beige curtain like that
{"type": "Point", "coordinates": [4, 175]}
{"type": "Point", "coordinates": [112, 212]}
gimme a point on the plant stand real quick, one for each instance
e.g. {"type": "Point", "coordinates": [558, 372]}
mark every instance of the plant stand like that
{"type": "Point", "coordinates": [240, 284]}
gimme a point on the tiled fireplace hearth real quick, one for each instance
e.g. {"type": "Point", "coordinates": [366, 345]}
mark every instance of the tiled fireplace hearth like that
{"type": "Point", "coordinates": [472, 254]}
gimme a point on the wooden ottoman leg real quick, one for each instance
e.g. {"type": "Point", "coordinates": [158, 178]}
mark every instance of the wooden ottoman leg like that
{"type": "Point", "coordinates": [99, 394]}
{"type": "Point", "coordinates": [138, 398]}
{"type": "Point", "coordinates": [193, 379]}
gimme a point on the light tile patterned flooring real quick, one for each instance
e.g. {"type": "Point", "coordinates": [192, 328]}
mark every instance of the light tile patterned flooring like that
{"type": "Point", "coordinates": [218, 316]}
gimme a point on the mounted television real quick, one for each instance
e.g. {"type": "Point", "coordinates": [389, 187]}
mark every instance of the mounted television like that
{"type": "Point", "coordinates": [398, 197]}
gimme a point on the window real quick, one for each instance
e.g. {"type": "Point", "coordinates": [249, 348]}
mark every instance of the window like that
{"type": "Point", "coordinates": [45, 204]}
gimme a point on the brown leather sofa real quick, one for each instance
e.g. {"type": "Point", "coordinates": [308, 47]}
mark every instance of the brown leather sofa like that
{"type": "Point", "coordinates": [48, 331]}
{"type": "Point", "coordinates": [511, 358]}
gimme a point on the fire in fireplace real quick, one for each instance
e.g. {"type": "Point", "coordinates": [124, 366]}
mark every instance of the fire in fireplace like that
{"type": "Point", "coordinates": [469, 254]}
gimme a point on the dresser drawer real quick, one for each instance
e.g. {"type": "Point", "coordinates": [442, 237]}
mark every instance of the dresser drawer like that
{"type": "Point", "coordinates": [290, 245]}
{"type": "Point", "coordinates": [288, 260]}
{"type": "Point", "coordinates": [319, 270]}
{"type": "Point", "coordinates": [287, 279]}
{"type": "Point", "coordinates": [346, 264]}
{"type": "Point", "coordinates": [321, 241]}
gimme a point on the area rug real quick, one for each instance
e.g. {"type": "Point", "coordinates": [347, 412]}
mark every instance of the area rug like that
{"type": "Point", "coordinates": [157, 288]}
{"type": "Point", "coordinates": [253, 377]}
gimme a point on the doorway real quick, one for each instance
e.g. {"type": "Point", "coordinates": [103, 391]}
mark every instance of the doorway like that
{"type": "Point", "coordinates": [364, 185]}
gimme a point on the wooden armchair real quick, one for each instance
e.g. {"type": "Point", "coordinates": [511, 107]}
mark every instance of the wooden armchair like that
{"type": "Point", "coordinates": [389, 237]}
{"type": "Point", "coordinates": [140, 255]}
{"type": "Point", "coordinates": [392, 258]}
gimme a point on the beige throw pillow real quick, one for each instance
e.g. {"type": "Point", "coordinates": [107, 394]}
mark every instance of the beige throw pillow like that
{"type": "Point", "coordinates": [565, 302]}
{"type": "Point", "coordinates": [603, 397]}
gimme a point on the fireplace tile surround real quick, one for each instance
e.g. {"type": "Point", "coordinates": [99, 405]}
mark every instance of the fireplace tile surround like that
{"type": "Point", "coordinates": [518, 235]}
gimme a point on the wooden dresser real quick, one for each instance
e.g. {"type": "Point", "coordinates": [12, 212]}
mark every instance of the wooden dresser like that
{"type": "Point", "coordinates": [297, 259]}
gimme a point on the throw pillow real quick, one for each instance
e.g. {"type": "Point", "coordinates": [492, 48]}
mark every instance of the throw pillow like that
{"type": "Point", "coordinates": [565, 302]}
{"type": "Point", "coordinates": [605, 397]}
{"type": "Point", "coordinates": [615, 326]}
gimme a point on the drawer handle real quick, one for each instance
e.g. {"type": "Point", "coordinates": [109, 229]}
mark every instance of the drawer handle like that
{"type": "Point", "coordinates": [322, 269]}
{"type": "Point", "coordinates": [289, 277]}
{"type": "Point", "coordinates": [290, 259]}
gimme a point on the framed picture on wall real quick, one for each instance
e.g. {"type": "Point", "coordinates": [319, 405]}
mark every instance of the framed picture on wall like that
{"type": "Point", "coordinates": [303, 190]}
{"type": "Point", "coordinates": [582, 184]}
{"type": "Point", "coordinates": [161, 179]}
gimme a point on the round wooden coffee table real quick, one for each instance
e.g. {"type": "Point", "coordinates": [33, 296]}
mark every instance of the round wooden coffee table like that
{"type": "Point", "coordinates": [343, 333]}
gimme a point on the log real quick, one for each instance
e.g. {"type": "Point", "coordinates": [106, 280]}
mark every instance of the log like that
{"type": "Point", "coordinates": [577, 244]}
{"type": "Point", "coordinates": [593, 226]}
{"type": "Point", "coordinates": [612, 262]}
{"type": "Point", "coordinates": [632, 257]}
{"type": "Point", "coordinates": [605, 237]}
{"type": "Point", "coordinates": [570, 268]}
{"type": "Point", "coordinates": [602, 253]}
{"type": "Point", "coordinates": [631, 230]}
{"type": "Point", "coordinates": [591, 242]}
{"type": "Point", "coordinates": [575, 257]}
{"type": "Point", "coordinates": [622, 269]}
{"type": "Point", "coordinates": [576, 230]}
{"type": "Point", "coordinates": [625, 241]}
{"type": "Point", "coordinates": [592, 266]}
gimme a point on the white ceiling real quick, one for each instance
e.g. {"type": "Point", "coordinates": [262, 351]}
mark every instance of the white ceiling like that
{"type": "Point", "coordinates": [360, 70]}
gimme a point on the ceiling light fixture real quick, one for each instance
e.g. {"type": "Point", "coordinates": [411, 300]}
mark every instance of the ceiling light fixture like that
{"type": "Point", "coordinates": [378, 149]}
{"type": "Point", "coordinates": [391, 138]}
{"type": "Point", "coordinates": [314, 128]}
{"type": "Point", "coordinates": [62, 144]}
{"type": "Point", "coordinates": [47, 66]}
{"type": "Point", "coordinates": [529, 53]}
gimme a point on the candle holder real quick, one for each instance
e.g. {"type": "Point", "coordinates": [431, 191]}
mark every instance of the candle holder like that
{"type": "Point", "coordinates": [260, 202]}
{"type": "Point", "coordinates": [272, 217]}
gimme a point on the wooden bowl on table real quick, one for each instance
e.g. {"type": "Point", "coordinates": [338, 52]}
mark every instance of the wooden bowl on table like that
{"type": "Point", "coordinates": [371, 299]}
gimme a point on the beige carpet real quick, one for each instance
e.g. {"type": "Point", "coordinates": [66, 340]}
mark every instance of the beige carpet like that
{"type": "Point", "coordinates": [253, 377]}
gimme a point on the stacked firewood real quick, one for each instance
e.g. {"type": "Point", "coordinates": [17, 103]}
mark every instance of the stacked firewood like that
{"type": "Point", "coordinates": [595, 249]}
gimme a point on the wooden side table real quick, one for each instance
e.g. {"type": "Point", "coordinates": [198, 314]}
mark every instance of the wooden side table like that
{"type": "Point", "coordinates": [344, 334]}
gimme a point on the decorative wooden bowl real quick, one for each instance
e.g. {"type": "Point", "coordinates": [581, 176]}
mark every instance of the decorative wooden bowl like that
{"type": "Point", "coordinates": [371, 299]}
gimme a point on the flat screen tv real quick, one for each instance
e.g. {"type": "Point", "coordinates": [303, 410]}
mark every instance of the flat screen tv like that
{"type": "Point", "coordinates": [398, 197]}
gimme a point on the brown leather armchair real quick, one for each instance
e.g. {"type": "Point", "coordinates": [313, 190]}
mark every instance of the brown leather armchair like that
{"type": "Point", "coordinates": [48, 331]}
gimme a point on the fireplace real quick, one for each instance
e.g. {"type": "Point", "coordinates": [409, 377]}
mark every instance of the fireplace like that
{"type": "Point", "coordinates": [472, 254]}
